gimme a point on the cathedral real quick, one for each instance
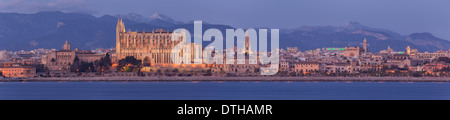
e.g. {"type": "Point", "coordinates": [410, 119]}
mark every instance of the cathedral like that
{"type": "Point", "coordinates": [154, 48]}
{"type": "Point", "coordinates": [356, 51]}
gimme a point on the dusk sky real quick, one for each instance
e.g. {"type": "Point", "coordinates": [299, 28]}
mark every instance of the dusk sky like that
{"type": "Point", "coordinates": [403, 16]}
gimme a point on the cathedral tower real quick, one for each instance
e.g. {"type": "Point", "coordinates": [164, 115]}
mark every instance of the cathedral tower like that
{"type": "Point", "coordinates": [389, 49]}
{"type": "Point", "coordinates": [408, 50]}
{"type": "Point", "coordinates": [120, 29]}
{"type": "Point", "coordinates": [67, 46]}
{"type": "Point", "coordinates": [247, 46]}
{"type": "Point", "coordinates": [365, 45]}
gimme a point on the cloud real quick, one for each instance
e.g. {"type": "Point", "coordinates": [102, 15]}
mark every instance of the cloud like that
{"type": "Point", "coordinates": [32, 6]}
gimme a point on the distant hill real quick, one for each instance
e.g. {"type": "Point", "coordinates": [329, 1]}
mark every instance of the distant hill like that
{"type": "Point", "coordinates": [51, 29]}
{"type": "Point", "coordinates": [84, 31]}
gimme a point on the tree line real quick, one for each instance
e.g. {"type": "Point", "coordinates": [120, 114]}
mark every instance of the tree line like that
{"type": "Point", "coordinates": [102, 65]}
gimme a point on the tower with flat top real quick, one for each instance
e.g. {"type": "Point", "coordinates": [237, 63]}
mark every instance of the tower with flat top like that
{"type": "Point", "coordinates": [365, 45]}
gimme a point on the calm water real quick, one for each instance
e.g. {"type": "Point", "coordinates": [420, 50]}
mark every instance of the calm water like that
{"type": "Point", "coordinates": [222, 91]}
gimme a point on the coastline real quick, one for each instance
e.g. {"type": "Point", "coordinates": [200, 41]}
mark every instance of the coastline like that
{"type": "Point", "coordinates": [232, 79]}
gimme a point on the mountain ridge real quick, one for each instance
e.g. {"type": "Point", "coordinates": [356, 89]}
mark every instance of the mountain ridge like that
{"type": "Point", "coordinates": [50, 30]}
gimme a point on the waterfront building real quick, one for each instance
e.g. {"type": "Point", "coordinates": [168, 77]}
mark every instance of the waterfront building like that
{"type": "Point", "coordinates": [370, 65]}
{"type": "Point", "coordinates": [435, 66]}
{"type": "Point", "coordinates": [306, 67]}
{"type": "Point", "coordinates": [244, 65]}
{"type": "Point", "coordinates": [398, 60]}
{"type": "Point", "coordinates": [431, 56]}
{"type": "Point", "coordinates": [284, 65]}
{"type": "Point", "coordinates": [18, 71]}
{"type": "Point", "coordinates": [241, 68]}
{"type": "Point", "coordinates": [415, 68]}
{"type": "Point", "coordinates": [61, 60]}
{"type": "Point", "coordinates": [342, 68]}
{"type": "Point", "coordinates": [353, 52]}
{"type": "Point", "coordinates": [327, 68]}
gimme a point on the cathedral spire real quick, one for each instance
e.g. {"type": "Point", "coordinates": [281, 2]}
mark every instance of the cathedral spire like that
{"type": "Point", "coordinates": [67, 46]}
{"type": "Point", "coordinates": [389, 49]}
{"type": "Point", "coordinates": [120, 26]}
{"type": "Point", "coordinates": [365, 45]}
{"type": "Point", "coordinates": [408, 50]}
{"type": "Point", "coordinates": [118, 21]}
{"type": "Point", "coordinates": [247, 44]}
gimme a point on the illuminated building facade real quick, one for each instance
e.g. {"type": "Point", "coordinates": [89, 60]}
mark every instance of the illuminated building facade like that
{"type": "Point", "coordinates": [154, 48]}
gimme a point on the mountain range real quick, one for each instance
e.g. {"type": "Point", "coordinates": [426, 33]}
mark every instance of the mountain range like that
{"type": "Point", "coordinates": [50, 30]}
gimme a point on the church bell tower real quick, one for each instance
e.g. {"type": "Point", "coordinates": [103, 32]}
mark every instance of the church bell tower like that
{"type": "Point", "coordinates": [365, 45]}
{"type": "Point", "coordinates": [120, 28]}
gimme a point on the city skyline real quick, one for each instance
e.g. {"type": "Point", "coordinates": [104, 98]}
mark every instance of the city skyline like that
{"type": "Point", "coordinates": [152, 47]}
{"type": "Point", "coordinates": [350, 61]}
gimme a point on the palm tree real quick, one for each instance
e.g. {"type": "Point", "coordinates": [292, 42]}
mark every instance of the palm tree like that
{"type": "Point", "coordinates": [147, 61]}
{"type": "Point", "coordinates": [175, 70]}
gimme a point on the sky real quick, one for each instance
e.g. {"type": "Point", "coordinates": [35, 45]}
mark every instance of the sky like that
{"type": "Point", "coordinates": [402, 16]}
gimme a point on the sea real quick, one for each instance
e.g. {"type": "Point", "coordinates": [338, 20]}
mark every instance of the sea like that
{"type": "Point", "coordinates": [224, 91]}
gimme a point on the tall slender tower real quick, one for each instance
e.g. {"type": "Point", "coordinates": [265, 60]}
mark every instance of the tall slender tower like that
{"type": "Point", "coordinates": [67, 46]}
{"type": "Point", "coordinates": [365, 45]}
{"type": "Point", "coordinates": [389, 50]}
{"type": "Point", "coordinates": [248, 46]}
{"type": "Point", "coordinates": [120, 28]}
{"type": "Point", "coordinates": [408, 50]}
